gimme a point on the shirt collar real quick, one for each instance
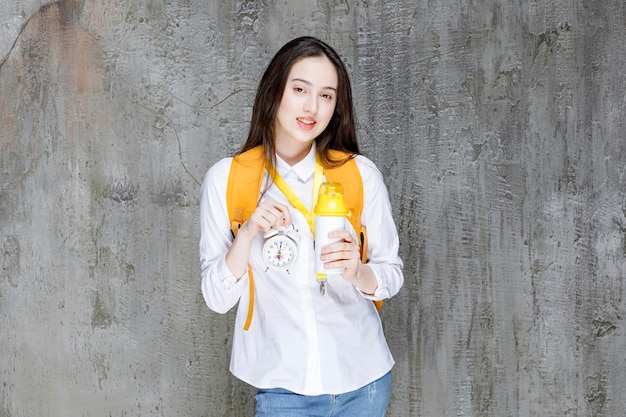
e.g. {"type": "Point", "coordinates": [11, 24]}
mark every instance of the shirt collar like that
{"type": "Point", "coordinates": [303, 169]}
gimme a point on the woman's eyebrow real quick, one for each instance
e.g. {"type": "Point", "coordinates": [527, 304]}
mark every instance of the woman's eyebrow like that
{"type": "Point", "coordinates": [310, 83]}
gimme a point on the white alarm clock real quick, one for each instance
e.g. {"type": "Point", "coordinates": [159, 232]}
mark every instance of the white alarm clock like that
{"type": "Point", "coordinates": [280, 250]}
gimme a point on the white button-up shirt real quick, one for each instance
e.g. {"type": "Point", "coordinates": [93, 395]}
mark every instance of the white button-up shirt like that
{"type": "Point", "coordinates": [299, 339]}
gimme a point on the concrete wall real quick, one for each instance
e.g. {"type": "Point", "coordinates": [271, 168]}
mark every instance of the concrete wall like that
{"type": "Point", "coordinates": [498, 125]}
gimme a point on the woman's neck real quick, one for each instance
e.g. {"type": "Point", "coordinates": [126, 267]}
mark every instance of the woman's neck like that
{"type": "Point", "coordinates": [292, 154]}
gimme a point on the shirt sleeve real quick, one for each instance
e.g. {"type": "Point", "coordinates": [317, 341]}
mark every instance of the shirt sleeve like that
{"type": "Point", "coordinates": [220, 288]}
{"type": "Point", "coordinates": [382, 235]}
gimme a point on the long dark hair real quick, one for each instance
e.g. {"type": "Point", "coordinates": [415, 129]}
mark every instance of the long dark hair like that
{"type": "Point", "coordinates": [340, 134]}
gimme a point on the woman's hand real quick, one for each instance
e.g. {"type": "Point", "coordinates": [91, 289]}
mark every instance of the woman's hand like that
{"type": "Point", "coordinates": [346, 254]}
{"type": "Point", "coordinates": [268, 214]}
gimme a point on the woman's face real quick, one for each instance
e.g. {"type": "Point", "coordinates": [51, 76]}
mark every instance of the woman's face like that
{"type": "Point", "coordinates": [307, 105]}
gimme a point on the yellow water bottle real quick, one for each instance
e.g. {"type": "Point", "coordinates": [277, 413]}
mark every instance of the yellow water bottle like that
{"type": "Point", "coordinates": [330, 215]}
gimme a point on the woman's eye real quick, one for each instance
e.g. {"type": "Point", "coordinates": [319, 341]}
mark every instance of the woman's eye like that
{"type": "Point", "coordinates": [327, 96]}
{"type": "Point", "coordinates": [298, 89]}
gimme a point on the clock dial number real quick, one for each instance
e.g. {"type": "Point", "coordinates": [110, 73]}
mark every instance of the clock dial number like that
{"type": "Point", "coordinates": [279, 252]}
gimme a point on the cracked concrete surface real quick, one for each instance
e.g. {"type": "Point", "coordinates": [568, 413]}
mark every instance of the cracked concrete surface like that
{"type": "Point", "coordinates": [498, 128]}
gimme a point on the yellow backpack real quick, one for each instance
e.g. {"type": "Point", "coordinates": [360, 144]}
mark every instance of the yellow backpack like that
{"type": "Point", "coordinates": [244, 187]}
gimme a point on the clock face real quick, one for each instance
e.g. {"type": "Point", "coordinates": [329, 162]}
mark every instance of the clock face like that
{"type": "Point", "coordinates": [280, 252]}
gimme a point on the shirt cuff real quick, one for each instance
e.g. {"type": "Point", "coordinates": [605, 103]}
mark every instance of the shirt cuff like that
{"type": "Point", "coordinates": [228, 279]}
{"type": "Point", "coordinates": [381, 292]}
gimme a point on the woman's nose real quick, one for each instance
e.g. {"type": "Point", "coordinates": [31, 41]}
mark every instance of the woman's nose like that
{"type": "Point", "coordinates": [311, 104]}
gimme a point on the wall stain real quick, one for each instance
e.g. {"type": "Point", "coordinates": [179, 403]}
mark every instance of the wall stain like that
{"type": "Point", "coordinates": [101, 367]}
{"type": "Point", "coordinates": [595, 394]}
{"type": "Point", "coordinates": [605, 323]}
{"type": "Point", "coordinates": [549, 38]}
{"type": "Point", "coordinates": [100, 317]}
{"type": "Point", "coordinates": [69, 11]}
{"type": "Point", "coordinates": [11, 260]}
{"type": "Point", "coordinates": [121, 192]}
{"type": "Point", "coordinates": [115, 263]}
{"type": "Point", "coordinates": [172, 195]}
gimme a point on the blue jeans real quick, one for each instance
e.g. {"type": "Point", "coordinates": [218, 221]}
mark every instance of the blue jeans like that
{"type": "Point", "coordinates": [369, 401]}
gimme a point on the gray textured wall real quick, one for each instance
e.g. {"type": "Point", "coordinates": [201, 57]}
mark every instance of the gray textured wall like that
{"type": "Point", "coordinates": [499, 127]}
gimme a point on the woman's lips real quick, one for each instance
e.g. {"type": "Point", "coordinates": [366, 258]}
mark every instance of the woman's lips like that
{"type": "Point", "coordinates": [306, 123]}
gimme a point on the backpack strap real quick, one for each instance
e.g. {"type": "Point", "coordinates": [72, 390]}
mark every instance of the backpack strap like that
{"type": "Point", "coordinates": [244, 186]}
{"type": "Point", "coordinates": [242, 196]}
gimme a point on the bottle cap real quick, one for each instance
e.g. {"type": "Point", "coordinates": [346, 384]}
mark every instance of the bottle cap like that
{"type": "Point", "coordinates": [330, 200]}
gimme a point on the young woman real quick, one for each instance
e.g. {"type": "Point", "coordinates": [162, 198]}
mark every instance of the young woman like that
{"type": "Point", "coordinates": [308, 352]}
